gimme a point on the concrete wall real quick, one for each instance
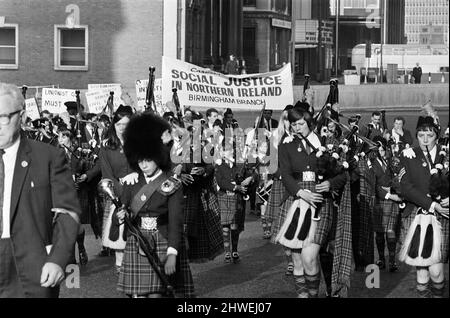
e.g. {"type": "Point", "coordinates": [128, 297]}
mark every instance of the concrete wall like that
{"type": "Point", "coordinates": [372, 97]}
{"type": "Point", "coordinates": [125, 38]}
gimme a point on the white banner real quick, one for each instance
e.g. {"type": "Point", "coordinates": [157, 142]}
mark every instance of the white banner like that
{"type": "Point", "coordinates": [96, 100]}
{"type": "Point", "coordinates": [201, 87]}
{"type": "Point", "coordinates": [31, 108]}
{"type": "Point", "coordinates": [53, 99]}
{"type": "Point", "coordinates": [141, 90]}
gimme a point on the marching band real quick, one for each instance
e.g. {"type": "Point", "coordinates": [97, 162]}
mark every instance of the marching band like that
{"type": "Point", "coordinates": [335, 190]}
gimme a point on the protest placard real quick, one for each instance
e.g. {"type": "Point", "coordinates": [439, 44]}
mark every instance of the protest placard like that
{"type": "Point", "coordinates": [107, 88]}
{"type": "Point", "coordinates": [96, 100]}
{"type": "Point", "coordinates": [202, 87]}
{"type": "Point", "coordinates": [53, 99]}
{"type": "Point", "coordinates": [31, 108]}
{"type": "Point", "coordinates": [141, 91]}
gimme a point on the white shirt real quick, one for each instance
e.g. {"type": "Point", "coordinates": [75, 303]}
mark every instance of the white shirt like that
{"type": "Point", "coordinates": [9, 160]}
{"type": "Point", "coordinates": [170, 250]}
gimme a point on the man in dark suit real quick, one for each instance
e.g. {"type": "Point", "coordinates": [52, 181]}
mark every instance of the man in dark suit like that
{"type": "Point", "coordinates": [374, 128]}
{"type": "Point", "coordinates": [39, 210]}
{"type": "Point", "coordinates": [417, 73]}
{"type": "Point", "coordinates": [269, 122]}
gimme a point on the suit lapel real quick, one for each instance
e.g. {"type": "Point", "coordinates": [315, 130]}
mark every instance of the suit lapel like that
{"type": "Point", "coordinates": [23, 161]}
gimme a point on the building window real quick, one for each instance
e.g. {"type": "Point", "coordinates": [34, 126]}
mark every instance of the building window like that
{"type": "Point", "coordinates": [9, 46]}
{"type": "Point", "coordinates": [249, 3]}
{"type": "Point", "coordinates": [71, 48]}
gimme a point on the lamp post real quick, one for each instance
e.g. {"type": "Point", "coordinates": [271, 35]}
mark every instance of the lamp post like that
{"type": "Point", "coordinates": [337, 35]}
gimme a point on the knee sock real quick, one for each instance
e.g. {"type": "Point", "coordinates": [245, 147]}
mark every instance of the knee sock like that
{"type": "Point", "coordinates": [326, 262]}
{"type": "Point", "coordinates": [288, 255]}
{"type": "Point", "coordinates": [437, 289]}
{"type": "Point", "coordinates": [264, 223]}
{"type": "Point", "coordinates": [269, 225]}
{"type": "Point", "coordinates": [313, 283]}
{"type": "Point", "coordinates": [80, 240]}
{"type": "Point", "coordinates": [234, 240]}
{"type": "Point", "coordinates": [379, 239]}
{"type": "Point", "coordinates": [300, 286]}
{"type": "Point", "coordinates": [423, 290]}
{"type": "Point", "coordinates": [392, 245]}
{"type": "Point", "coordinates": [226, 238]}
{"type": "Point", "coordinates": [119, 258]}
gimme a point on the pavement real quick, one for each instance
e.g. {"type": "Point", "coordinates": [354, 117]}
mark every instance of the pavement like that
{"type": "Point", "coordinates": [260, 274]}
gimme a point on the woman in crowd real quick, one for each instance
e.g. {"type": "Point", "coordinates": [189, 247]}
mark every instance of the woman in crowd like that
{"type": "Point", "coordinates": [114, 166]}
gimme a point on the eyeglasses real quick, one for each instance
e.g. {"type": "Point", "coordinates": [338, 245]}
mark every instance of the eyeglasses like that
{"type": "Point", "coordinates": [5, 119]}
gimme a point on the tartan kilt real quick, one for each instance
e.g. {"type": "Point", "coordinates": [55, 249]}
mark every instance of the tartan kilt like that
{"type": "Point", "coordinates": [203, 228]}
{"type": "Point", "coordinates": [324, 230]}
{"type": "Point", "coordinates": [231, 211]}
{"type": "Point", "coordinates": [365, 236]}
{"type": "Point", "coordinates": [385, 214]}
{"type": "Point", "coordinates": [275, 197]}
{"type": "Point", "coordinates": [138, 277]}
{"type": "Point", "coordinates": [408, 220]}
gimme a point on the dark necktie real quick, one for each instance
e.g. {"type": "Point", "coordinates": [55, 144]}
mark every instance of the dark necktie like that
{"type": "Point", "coordinates": [2, 185]}
{"type": "Point", "coordinates": [429, 159]}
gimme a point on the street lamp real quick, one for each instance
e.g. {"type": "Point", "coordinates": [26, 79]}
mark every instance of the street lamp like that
{"type": "Point", "coordinates": [337, 36]}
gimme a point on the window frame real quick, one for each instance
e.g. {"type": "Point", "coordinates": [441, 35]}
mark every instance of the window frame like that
{"type": "Point", "coordinates": [57, 48]}
{"type": "Point", "coordinates": [16, 29]}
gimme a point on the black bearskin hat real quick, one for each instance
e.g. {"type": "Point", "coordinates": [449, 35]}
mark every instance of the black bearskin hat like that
{"type": "Point", "coordinates": [148, 137]}
{"type": "Point", "coordinates": [303, 106]}
{"type": "Point", "coordinates": [427, 121]}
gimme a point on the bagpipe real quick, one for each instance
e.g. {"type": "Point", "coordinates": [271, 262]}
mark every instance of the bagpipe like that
{"type": "Point", "coordinates": [84, 152]}
{"type": "Point", "coordinates": [179, 113]}
{"type": "Point", "coordinates": [439, 179]}
{"type": "Point", "coordinates": [149, 94]}
{"type": "Point", "coordinates": [240, 176]}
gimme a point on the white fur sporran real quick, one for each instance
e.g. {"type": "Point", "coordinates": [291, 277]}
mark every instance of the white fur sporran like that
{"type": "Point", "coordinates": [289, 233]}
{"type": "Point", "coordinates": [412, 241]}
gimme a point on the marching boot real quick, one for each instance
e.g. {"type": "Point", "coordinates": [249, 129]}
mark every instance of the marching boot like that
{"type": "Point", "coordinates": [326, 263]}
{"type": "Point", "coordinates": [83, 257]}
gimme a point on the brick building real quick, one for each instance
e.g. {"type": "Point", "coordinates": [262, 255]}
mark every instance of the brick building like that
{"type": "Point", "coordinates": [73, 43]}
{"type": "Point", "coordinates": [101, 41]}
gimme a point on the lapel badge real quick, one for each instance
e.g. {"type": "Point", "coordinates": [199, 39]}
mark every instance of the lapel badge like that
{"type": "Point", "coordinates": [424, 164]}
{"type": "Point", "coordinates": [143, 198]}
{"type": "Point", "coordinates": [299, 149]}
{"type": "Point", "coordinates": [167, 186]}
{"type": "Point", "coordinates": [24, 163]}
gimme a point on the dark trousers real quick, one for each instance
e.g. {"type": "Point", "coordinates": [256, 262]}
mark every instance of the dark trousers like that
{"type": "Point", "coordinates": [10, 284]}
